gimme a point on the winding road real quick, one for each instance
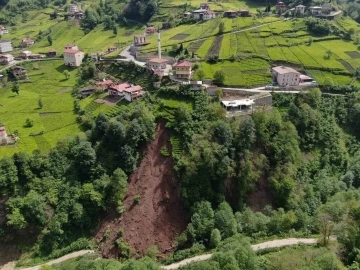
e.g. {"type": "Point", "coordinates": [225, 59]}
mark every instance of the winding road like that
{"type": "Point", "coordinates": [265, 245]}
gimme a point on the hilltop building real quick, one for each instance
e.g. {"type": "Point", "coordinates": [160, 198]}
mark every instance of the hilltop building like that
{"type": "Point", "coordinates": [112, 48]}
{"type": "Point", "coordinates": [5, 46]}
{"type": "Point", "coordinates": [73, 8]}
{"type": "Point", "coordinates": [237, 105]}
{"type": "Point", "coordinates": [280, 6]}
{"type": "Point", "coordinates": [73, 56]}
{"type": "Point", "coordinates": [128, 91]}
{"type": "Point", "coordinates": [140, 40]}
{"type": "Point", "coordinates": [52, 53]}
{"type": "Point", "coordinates": [27, 42]}
{"type": "Point", "coordinates": [3, 30]}
{"type": "Point", "coordinates": [156, 63]}
{"type": "Point", "coordinates": [315, 11]}
{"type": "Point", "coordinates": [230, 13]}
{"type": "Point", "coordinates": [6, 59]}
{"type": "Point", "coordinates": [300, 10]}
{"type": "Point", "coordinates": [150, 30]}
{"type": "Point", "coordinates": [286, 76]}
{"type": "Point", "coordinates": [25, 54]}
{"type": "Point", "coordinates": [244, 13]}
{"type": "Point", "coordinates": [204, 6]}
{"type": "Point", "coordinates": [183, 70]}
{"type": "Point", "coordinates": [204, 14]}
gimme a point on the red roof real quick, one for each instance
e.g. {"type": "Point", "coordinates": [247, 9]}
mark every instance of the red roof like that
{"type": "Point", "coordinates": [120, 87]}
{"type": "Point", "coordinates": [104, 83]}
{"type": "Point", "coordinates": [157, 60]}
{"type": "Point", "coordinates": [133, 89]}
{"type": "Point", "coordinates": [71, 51]}
{"type": "Point", "coordinates": [183, 64]}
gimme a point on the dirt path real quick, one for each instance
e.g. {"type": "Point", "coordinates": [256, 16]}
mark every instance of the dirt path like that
{"type": "Point", "coordinates": [159, 217]}
{"type": "Point", "coordinates": [265, 245]}
{"type": "Point", "coordinates": [11, 266]}
{"type": "Point", "coordinates": [203, 257]}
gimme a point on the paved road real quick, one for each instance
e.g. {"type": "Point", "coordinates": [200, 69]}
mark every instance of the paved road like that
{"type": "Point", "coordinates": [265, 245]}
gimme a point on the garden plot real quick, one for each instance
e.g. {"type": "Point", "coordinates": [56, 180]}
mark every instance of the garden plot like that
{"type": "Point", "coordinates": [347, 65]}
{"type": "Point", "coordinates": [180, 37]}
{"type": "Point", "coordinates": [205, 47]}
{"type": "Point", "coordinates": [215, 47]}
{"type": "Point", "coordinates": [353, 54]}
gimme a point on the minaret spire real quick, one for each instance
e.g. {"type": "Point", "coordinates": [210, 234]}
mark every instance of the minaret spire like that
{"type": "Point", "coordinates": [159, 43]}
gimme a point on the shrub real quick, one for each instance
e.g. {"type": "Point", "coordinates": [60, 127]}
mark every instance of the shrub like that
{"type": "Point", "coordinates": [29, 123]}
{"type": "Point", "coordinates": [137, 199]}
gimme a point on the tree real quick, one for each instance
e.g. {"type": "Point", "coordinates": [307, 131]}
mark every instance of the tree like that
{"type": "Point", "coordinates": [15, 88]}
{"type": "Point", "coordinates": [115, 31]}
{"type": "Point", "coordinates": [66, 74]}
{"type": "Point", "coordinates": [200, 74]}
{"type": "Point", "coordinates": [225, 220]}
{"type": "Point", "coordinates": [215, 238]}
{"type": "Point", "coordinates": [40, 103]}
{"type": "Point", "coordinates": [221, 28]}
{"type": "Point", "coordinates": [219, 77]}
{"type": "Point", "coordinates": [329, 54]}
{"type": "Point", "coordinates": [49, 38]}
{"type": "Point", "coordinates": [29, 123]}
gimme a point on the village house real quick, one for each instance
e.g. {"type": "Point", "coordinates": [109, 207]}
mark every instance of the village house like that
{"type": "Point", "coordinates": [27, 42]}
{"type": "Point", "coordinates": [139, 40]}
{"type": "Point", "coordinates": [300, 10]}
{"type": "Point", "coordinates": [204, 14]}
{"type": "Point", "coordinates": [237, 105]}
{"type": "Point", "coordinates": [19, 72]}
{"type": "Point", "coordinates": [286, 76]}
{"type": "Point", "coordinates": [3, 30]}
{"type": "Point", "coordinates": [71, 47]}
{"type": "Point", "coordinates": [316, 11]}
{"type": "Point", "coordinates": [105, 84]}
{"type": "Point", "coordinates": [156, 63]}
{"type": "Point", "coordinates": [133, 92]}
{"type": "Point", "coordinates": [52, 53]}
{"type": "Point", "coordinates": [5, 46]}
{"type": "Point", "coordinates": [73, 8]}
{"type": "Point", "coordinates": [183, 70]}
{"type": "Point", "coordinates": [73, 57]}
{"type": "Point", "coordinates": [150, 30]}
{"type": "Point", "coordinates": [6, 59]}
{"type": "Point", "coordinates": [118, 89]}
{"type": "Point", "coordinates": [280, 7]}
{"type": "Point", "coordinates": [204, 6]}
{"type": "Point", "coordinates": [230, 13]}
{"type": "Point", "coordinates": [87, 91]}
{"type": "Point", "coordinates": [244, 13]}
{"type": "Point", "coordinates": [112, 48]}
{"type": "Point", "coordinates": [25, 54]}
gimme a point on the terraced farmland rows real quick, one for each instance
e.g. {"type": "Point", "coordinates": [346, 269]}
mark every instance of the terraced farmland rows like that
{"type": "Point", "coordinates": [215, 47]}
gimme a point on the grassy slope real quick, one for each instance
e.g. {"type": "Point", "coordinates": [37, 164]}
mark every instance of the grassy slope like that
{"type": "Point", "coordinates": [48, 83]}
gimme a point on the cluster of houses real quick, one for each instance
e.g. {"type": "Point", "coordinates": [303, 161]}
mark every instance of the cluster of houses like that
{"type": "Point", "coordinates": [122, 90]}
{"type": "Point", "coordinates": [324, 11]}
{"type": "Point", "coordinates": [204, 13]}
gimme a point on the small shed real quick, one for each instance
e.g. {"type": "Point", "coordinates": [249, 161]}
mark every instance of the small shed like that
{"type": "Point", "coordinates": [52, 53]}
{"type": "Point", "coordinates": [230, 13]}
{"type": "Point", "coordinates": [87, 91]}
{"type": "Point", "coordinates": [112, 48]}
{"type": "Point", "coordinates": [244, 13]}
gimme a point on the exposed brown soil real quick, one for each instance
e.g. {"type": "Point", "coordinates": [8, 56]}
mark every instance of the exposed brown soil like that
{"type": "Point", "coordinates": [215, 47]}
{"type": "Point", "coordinates": [260, 196]}
{"type": "Point", "coordinates": [159, 217]}
{"type": "Point", "coordinates": [108, 100]}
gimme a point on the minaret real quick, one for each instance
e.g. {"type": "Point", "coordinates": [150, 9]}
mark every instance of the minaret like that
{"type": "Point", "coordinates": [159, 43]}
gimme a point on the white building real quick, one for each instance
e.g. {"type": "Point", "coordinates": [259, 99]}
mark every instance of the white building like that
{"type": "Point", "coordinates": [6, 59]}
{"type": "Point", "coordinates": [139, 40]}
{"type": "Point", "coordinates": [156, 63]}
{"type": "Point", "coordinates": [237, 105]}
{"type": "Point", "coordinates": [3, 30]}
{"type": "Point", "coordinates": [73, 8]}
{"type": "Point", "coordinates": [204, 14]}
{"type": "Point", "coordinates": [5, 46]}
{"type": "Point", "coordinates": [300, 10]}
{"type": "Point", "coordinates": [133, 92]}
{"type": "Point", "coordinates": [73, 58]}
{"type": "Point", "coordinates": [286, 76]}
{"type": "Point", "coordinates": [3, 134]}
{"type": "Point", "coordinates": [316, 10]}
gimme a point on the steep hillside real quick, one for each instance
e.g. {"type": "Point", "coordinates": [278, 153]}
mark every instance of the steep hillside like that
{"type": "Point", "coordinates": [154, 214]}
